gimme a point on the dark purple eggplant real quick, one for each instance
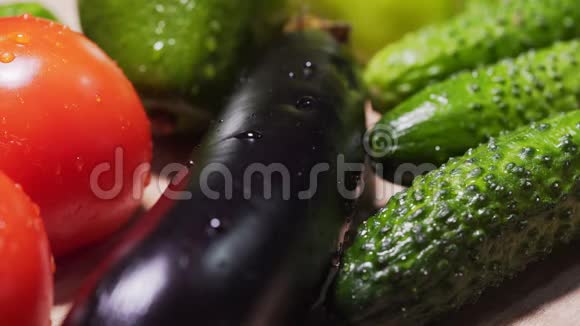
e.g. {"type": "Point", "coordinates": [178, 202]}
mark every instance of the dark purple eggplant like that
{"type": "Point", "coordinates": [260, 253]}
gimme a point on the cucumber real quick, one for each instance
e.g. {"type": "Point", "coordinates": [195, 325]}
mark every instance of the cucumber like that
{"type": "Point", "coordinates": [466, 226]}
{"type": "Point", "coordinates": [446, 119]}
{"type": "Point", "coordinates": [497, 30]}
{"type": "Point", "coordinates": [248, 258]}
{"type": "Point", "coordinates": [32, 8]}
{"type": "Point", "coordinates": [181, 55]}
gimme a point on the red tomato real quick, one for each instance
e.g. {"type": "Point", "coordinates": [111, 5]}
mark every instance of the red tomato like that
{"type": "Point", "coordinates": [67, 113]}
{"type": "Point", "coordinates": [25, 263]}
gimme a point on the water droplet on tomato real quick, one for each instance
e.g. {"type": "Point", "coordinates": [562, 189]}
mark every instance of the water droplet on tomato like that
{"type": "Point", "coordinates": [7, 57]}
{"type": "Point", "coordinates": [98, 98]}
{"type": "Point", "coordinates": [21, 38]}
{"type": "Point", "coordinates": [79, 163]}
{"type": "Point", "coordinates": [26, 16]}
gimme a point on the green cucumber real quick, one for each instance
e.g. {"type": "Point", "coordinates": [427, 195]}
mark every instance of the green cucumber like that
{"type": "Point", "coordinates": [496, 30]}
{"type": "Point", "coordinates": [181, 55]}
{"type": "Point", "coordinates": [33, 8]}
{"type": "Point", "coordinates": [446, 119]}
{"type": "Point", "coordinates": [466, 226]}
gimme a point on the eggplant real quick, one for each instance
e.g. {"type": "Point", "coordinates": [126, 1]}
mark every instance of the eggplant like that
{"type": "Point", "coordinates": [249, 248]}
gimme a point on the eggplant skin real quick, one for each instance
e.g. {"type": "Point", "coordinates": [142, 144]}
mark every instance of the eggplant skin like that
{"type": "Point", "coordinates": [246, 258]}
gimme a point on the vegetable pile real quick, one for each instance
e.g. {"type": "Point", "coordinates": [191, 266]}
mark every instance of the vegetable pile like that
{"type": "Point", "coordinates": [261, 227]}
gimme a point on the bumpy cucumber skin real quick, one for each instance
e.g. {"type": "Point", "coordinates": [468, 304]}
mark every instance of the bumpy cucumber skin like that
{"type": "Point", "coordinates": [465, 227]}
{"type": "Point", "coordinates": [485, 34]}
{"type": "Point", "coordinates": [33, 8]}
{"type": "Point", "coordinates": [173, 48]}
{"type": "Point", "coordinates": [446, 119]}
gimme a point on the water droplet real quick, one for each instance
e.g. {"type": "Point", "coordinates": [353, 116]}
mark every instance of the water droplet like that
{"type": "Point", "coordinates": [158, 46]}
{"type": "Point", "coordinates": [79, 164]}
{"type": "Point", "coordinates": [418, 195]}
{"type": "Point", "coordinates": [159, 8]}
{"type": "Point", "coordinates": [26, 16]}
{"type": "Point", "coordinates": [291, 75]}
{"type": "Point", "coordinates": [474, 88]}
{"type": "Point", "coordinates": [437, 148]}
{"type": "Point", "coordinates": [98, 98]}
{"type": "Point", "coordinates": [306, 103]}
{"type": "Point", "coordinates": [475, 173]}
{"type": "Point", "coordinates": [215, 223]}
{"type": "Point", "coordinates": [171, 41]}
{"type": "Point", "coordinates": [7, 57]}
{"type": "Point", "coordinates": [21, 38]}
{"type": "Point", "coordinates": [308, 69]}
{"type": "Point", "coordinates": [250, 135]}
{"type": "Point", "coordinates": [404, 88]}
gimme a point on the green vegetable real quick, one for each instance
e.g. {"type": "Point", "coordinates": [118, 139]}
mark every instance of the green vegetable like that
{"type": "Point", "coordinates": [482, 35]}
{"type": "Point", "coordinates": [33, 8]}
{"type": "Point", "coordinates": [181, 55]}
{"type": "Point", "coordinates": [446, 119]}
{"type": "Point", "coordinates": [394, 17]}
{"type": "Point", "coordinates": [466, 226]}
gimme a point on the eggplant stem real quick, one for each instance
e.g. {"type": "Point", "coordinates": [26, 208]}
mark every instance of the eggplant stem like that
{"type": "Point", "coordinates": [340, 31]}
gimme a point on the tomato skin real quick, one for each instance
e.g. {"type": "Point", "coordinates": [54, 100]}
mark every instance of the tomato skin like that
{"type": "Point", "coordinates": [65, 109]}
{"type": "Point", "coordinates": [25, 267]}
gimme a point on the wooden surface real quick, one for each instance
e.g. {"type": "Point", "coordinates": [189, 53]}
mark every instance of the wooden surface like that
{"type": "Point", "coordinates": [547, 293]}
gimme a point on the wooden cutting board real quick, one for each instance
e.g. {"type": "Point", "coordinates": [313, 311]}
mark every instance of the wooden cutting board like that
{"type": "Point", "coordinates": [547, 293]}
